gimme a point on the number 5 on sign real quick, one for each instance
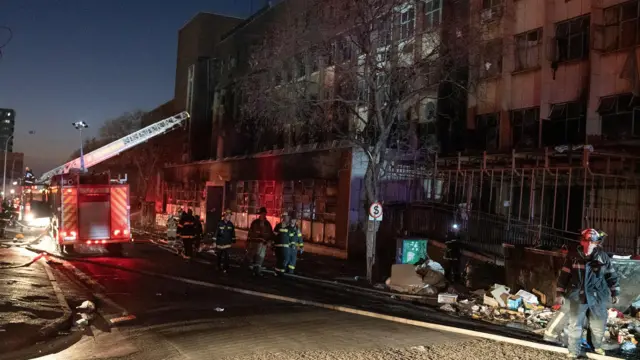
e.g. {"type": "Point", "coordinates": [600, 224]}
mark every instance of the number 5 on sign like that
{"type": "Point", "coordinates": [375, 212]}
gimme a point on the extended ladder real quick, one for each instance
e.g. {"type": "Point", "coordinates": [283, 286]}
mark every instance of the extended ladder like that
{"type": "Point", "coordinates": [125, 143]}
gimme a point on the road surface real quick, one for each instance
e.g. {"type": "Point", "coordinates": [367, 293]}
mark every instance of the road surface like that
{"type": "Point", "coordinates": [176, 319]}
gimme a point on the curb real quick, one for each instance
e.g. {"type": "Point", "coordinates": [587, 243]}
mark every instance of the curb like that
{"type": "Point", "coordinates": [66, 317]}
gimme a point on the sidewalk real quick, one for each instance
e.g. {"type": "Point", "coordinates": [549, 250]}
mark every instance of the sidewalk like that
{"type": "Point", "coordinates": [31, 307]}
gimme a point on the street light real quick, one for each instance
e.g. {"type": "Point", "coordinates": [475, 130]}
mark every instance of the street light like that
{"type": "Point", "coordinates": [79, 125]}
{"type": "Point", "coordinates": [4, 174]}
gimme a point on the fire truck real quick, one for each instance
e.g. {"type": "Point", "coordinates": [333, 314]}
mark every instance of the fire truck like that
{"type": "Point", "coordinates": [90, 209]}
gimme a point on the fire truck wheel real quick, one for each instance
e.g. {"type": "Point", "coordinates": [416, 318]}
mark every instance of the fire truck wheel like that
{"type": "Point", "coordinates": [114, 249]}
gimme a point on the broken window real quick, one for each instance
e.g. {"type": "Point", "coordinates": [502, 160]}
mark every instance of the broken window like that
{"type": "Point", "coordinates": [491, 59]}
{"type": "Point", "coordinates": [617, 117]}
{"type": "Point", "coordinates": [565, 125]}
{"type": "Point", "coordinates": [528, 46]}
{"type": "Point", "coordinates": [572, 39]}
{"type": "Point", "coordinates": [487, 131]}
{"type": "Point", "coordinates": [621, 26]}
{"type": "Point", "coordinates": [525, 127]}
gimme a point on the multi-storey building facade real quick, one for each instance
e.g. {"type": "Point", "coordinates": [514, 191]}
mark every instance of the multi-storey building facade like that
{"type": "Point", "coordinates": [549, 105]}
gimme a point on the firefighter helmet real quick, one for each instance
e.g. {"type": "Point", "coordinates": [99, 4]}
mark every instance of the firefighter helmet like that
{"type": "Point", "coordinates": [593, 235]}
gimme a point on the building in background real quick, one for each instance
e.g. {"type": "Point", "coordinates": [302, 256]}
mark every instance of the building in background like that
{"type": "Point", "coordinates": [7, 128]}
{"type": "Point", "coordinates": [15, 167]}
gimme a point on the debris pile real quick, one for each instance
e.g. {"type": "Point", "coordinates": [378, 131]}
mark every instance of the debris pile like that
{"type": "Point", "coordinates": [498, 305]}
{"type": "Point", "coordinates": [426, 278]}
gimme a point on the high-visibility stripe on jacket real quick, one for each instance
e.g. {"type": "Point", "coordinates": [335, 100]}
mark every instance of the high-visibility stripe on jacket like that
{"type": "Point", "coordinates": [295, 237]}
{"type": "Point", "coordinates": [281, 233]}
{"type": "Point", "coordinates": [225, 234]}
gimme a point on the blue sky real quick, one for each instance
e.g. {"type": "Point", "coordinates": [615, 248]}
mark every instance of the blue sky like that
{"type": "Point", "coordinates": [89, 60]}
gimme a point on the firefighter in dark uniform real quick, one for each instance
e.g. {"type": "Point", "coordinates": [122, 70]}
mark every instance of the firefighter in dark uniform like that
{"type": "Point", "coordinates": [225, 237]}
{"type": "Point", "coordinates": [296, 244]}
{"type": "Point", "coordinates": [187, 231]}
{"type": "Point", "coordinates": [281, 244]}
{"type": "Point", "coordinates": [198, 232]}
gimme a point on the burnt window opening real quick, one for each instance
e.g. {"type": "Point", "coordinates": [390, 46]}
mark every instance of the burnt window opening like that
{"type": "Point", "coordinates": [487, 131]}
{"type": "Point", "coordinates": [525, 125]}
{"type": "Point", "coordinates": [620, 117]}
{"type": "Point", "coordinates": [528, 46]}
{"type": "Point", "coordinates": [572, 39]}
{"type": "Point", "coordinates": [565, 124]}
{"type": "Point", "coordinates": [621, 26]}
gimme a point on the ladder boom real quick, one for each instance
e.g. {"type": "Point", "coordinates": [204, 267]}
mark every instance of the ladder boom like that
{"type": "Point", "coordinates": [125, 143]}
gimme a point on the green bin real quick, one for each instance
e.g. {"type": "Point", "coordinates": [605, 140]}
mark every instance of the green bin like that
{"type": "Point", "coordinates": [409, 251]}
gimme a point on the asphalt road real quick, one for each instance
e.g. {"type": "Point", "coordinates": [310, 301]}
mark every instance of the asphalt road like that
{"type": "Point", "coordinates": [179, 320]}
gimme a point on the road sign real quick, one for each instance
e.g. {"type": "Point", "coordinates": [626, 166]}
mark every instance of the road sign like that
{"type": "Point", "coordinates": [375, 212]}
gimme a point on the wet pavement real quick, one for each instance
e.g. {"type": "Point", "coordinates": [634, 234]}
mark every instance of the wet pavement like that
{"type": "Point", "coordinates": [178, 317]}
{"type": "Point", "coordinates": [28, 302]}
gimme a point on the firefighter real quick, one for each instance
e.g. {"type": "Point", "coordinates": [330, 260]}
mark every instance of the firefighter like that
{"type": "Point", "coordinates": [29, 179]}
{"type": "Point", "coordinates": [260, 233]}
{"type": "Point", "coordinates": [225, 237]}
{"type": "Point", "coordinates": [186, 231]}
{"type": "Point", "coordinates": [586, 280]}
{"type": "Point", "coordinates": [281, 244]}
{"type": "Point", "coordinates": [197, 240]}
{"type": "Point", "coordinates": [296, 244]}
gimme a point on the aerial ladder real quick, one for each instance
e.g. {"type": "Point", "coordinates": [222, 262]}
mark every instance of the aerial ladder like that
{"type": "Point", "coordinates": [115, 148]}
{"type": "Point", "coordinates": [34, 193]}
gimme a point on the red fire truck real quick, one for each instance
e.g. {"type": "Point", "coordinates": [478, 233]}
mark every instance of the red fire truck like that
{"type": "Point", "coordinates": [89, 209]}
{"type": "Point", "coordinates": [83, 208]}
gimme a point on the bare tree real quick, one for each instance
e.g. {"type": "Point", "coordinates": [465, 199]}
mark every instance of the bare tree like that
{"type": "Point", "coordinates": [366, 71]}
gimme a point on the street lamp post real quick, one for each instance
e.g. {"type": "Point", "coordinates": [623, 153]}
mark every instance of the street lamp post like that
{"type": "Point", "coordinates": [79, 125]}
{"type": "Point", "coordinates": [4, 174]}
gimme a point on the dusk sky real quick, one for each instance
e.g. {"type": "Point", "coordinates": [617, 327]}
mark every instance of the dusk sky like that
{"type": "Point", "coordinates": [89, 60]}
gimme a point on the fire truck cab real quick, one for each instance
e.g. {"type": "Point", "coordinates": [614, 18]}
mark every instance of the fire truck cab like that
{"type": "Point", "coordinates": [89, 209]}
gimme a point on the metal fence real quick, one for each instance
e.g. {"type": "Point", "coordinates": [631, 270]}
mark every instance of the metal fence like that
{"type": "Point", "coordinates": [533, 201]}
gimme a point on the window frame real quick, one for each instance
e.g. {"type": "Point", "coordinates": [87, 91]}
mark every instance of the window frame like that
{"type": "Point", "coordinates": [614, 24]}
{"type": "Point", "coordinates": [563, 109]}
{"type": "Point", "coordinates": [523, 126]}
{"type": "Point", "coordinates": [518, 66]}
{"type": "Point", "coordinates": [410, 23]}
{"type": "Point", "coordinates": [582, 36]}
{"type": "Point", "coordinates": [615, 110]}
{"type": "Point", "coordinates": [429, 12]}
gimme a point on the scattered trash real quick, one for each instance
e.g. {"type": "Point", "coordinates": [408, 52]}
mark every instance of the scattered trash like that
{"type": "Point", "coordinates": [86, 307]}
{"type": "Point", "coordinates": [448, 308]}
{"type": "Point", "coordinates": [445, 298]}
{"type": "Point", "coordinates": [628, 346]}
{"type": "Point", "coordinates": [219, 309]}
